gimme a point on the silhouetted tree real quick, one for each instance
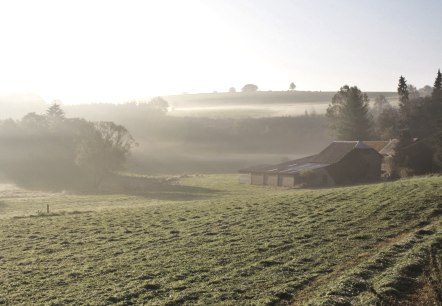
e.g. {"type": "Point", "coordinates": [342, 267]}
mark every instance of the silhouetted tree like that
{"type": "Point", "coordinates": [55, 112]}
{"type": "Point", "coordinates": [404, 105]}
{"type": "Point", "coordinates": [387, 124]}
{"type": "Point", "coordinates": [103, 149]}
{"type": "Point", "coordinates": [437, 116]}
{"type": "Point", "coordinates": [386, 118]}
{"type": "Point", "coordinates": [292, 86]}
{"type": "Point", "coordinates": [438, 147]}
{"type": "Point", "coordinates": [348, 114]}
{"type": "Point", "coordinates": [437, 88]}
{"type": "Point", "coordinates": [426, 91]}
{"type": "Point", "coordinates": [413, 93]}
{"type": "Point", "coordinates": [250, 88]}
{"type": "Point", "coordinates": [420, 146]}
{"type": "Point", "coordinates": [34, 122]}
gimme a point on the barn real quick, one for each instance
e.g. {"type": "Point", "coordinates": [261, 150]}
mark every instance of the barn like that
{"type": "Point", "coordinates": [341, 163]}
{"type": "Point", "coordinates": [387, 149]}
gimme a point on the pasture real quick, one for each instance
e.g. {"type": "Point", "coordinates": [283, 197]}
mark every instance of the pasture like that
{"type": "Point", "coordinates": [212, 241]}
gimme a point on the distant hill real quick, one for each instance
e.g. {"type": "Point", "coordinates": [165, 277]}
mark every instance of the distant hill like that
{"type": "Point", "coordinates": [261, 97]}
{"type": "Point", "coordinates": [257, 104]}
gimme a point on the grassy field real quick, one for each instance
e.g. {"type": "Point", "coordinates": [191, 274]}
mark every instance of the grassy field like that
{"type": "Point", "coordinates": [211, 241]}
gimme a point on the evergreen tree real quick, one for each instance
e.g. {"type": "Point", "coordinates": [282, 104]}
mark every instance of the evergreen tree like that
{"type": "Point", "coordinates": [348, 114]}
{"type": "Point", "coordinates": [437, 88]}
{"type": "Point", "coordinates": [436, 112]}
{"type": "Point", "coordinates": [404, 101]}
{"type": "Point", "coordinates": [55, 112]}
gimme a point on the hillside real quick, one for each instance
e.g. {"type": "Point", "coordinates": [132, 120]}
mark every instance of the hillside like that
{"type": "Point", "coordinates": [261, 97]}
{"type": "Point", "coordinates": [212, 241]}
{"type": "Point", "coordinates": [229, 105]}
{"type": "Point", "coordinates": [256, 104]}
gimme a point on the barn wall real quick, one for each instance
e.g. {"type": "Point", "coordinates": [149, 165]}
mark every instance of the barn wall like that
{"type": "Point", "coordinates": [322, 178]}
{"type": "Point", "coordinates": [272, 179]}
{"type": "Point", "coordinates": [287, 181]}
{"type": "Point", "coordinates": [257, 179]}
{"type": "Point", "coordinates": [319, 177]}
{"type": "Point", "coordinates": [359, 166]}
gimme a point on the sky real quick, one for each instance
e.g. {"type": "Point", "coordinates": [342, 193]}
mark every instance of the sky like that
{"type": "Point", "coordinates": [113, 51]}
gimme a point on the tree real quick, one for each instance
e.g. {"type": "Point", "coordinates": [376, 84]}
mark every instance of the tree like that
{"type": "Point", "coordinates": [380, 103]}
{"type": "Point", "coordinates": [348, 114]}
{"type": "Point", "coordinates": [413, 93]}
{"type": "Point", "coordinates": [437, 88]}
{"type": "Point", "coordinates": [55, 112]}
{"type": "Point", "coordinates": [387, 123]}
{"type": "Point", "coordinates": [426, 91]}
{"type": "Point", "coordinates": [159, 104]}
{"type": "Point", "coordinates": [249, 88]}
{"type": "Point", "coordinates": [437, 117]}
{"type": "Point", "coordinates": [404, 105]}
{"type": "Point", "coordinates": [34, 122]}
{"type": "Point", "coordinates": [103, 149]}
{"type": "Point", "coordinates": [386, 118]}
{"type": "Point", "coordinates": [292, 86]}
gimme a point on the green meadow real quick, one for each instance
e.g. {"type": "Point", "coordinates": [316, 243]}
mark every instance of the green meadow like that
{"type": "Point", "coordinates": [211, 241]}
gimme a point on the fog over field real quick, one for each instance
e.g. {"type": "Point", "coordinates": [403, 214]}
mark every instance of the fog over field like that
{"type": "Point", "coordinates": [222, 152]}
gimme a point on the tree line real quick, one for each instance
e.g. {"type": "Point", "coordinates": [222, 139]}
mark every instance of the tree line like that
{"type": "Point", "coordinates": [416, 122]}
{"type": "Point", "coordinates": [50, 151]}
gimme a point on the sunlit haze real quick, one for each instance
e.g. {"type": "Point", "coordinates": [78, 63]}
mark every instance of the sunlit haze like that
{"type": "Point", "coordinates": [112, 51]}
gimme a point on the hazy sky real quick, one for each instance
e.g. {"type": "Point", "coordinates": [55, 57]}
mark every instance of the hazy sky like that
{"type": "Point", "coordinates": [82, 51]}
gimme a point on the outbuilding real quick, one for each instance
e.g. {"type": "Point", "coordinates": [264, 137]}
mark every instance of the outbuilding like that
{"type": "Point", "coordinates": [341, 163]}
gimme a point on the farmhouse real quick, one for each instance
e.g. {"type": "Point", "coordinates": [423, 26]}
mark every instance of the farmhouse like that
{"type": "Point", "coordinates": [341, 163]}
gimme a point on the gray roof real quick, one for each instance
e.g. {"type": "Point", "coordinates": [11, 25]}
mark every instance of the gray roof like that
{"type": "Point", "coordinates": [296, 168]}
{"type": "Point", "coordinates": [274, 168]}
{"type": "Point", "coordinates": [330, 155]}
{"type": "Point", "coordinates": [337, 150]}
{"type": "Point", "coordinates": [259, 168]}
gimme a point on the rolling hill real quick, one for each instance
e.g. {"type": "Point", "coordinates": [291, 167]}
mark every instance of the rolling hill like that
{"type": "Point", "coordinates": [261, 97]}
{"type": "Point", "coordinates": [212, 241]}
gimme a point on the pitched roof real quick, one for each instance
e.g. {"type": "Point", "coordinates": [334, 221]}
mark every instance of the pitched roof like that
{"type": "Point", "coordinates": [276, 168]}
{"type": "Point", "coordinates": [336, 151]}
{"type": "Point", "coordinates": [302, 167]}
{"type": "Point", "coordinates": [377, 145]}
{"type": "Point", "coordinates": [330, 155]}
{"type": "Point", "coordinates": [259, 168]}
{"type": "Point", "coordinates": [390, 148]}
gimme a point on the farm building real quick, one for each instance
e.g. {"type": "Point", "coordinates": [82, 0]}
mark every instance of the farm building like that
{"type": "Point", "coordinates": [341, 163]}
{"type": "Point", "coordinates": [387, 149]}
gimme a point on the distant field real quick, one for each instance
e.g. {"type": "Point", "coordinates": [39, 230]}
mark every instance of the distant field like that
{"type": "Point", "coordinates": [212, 241]}
{"type": "Point", "coordinates": [251, 110]}
{"type": "Point", "coordinates": [256, 104]}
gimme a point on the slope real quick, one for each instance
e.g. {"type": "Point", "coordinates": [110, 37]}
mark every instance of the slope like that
{"type": "Point", "coordinates": [224, 243]}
